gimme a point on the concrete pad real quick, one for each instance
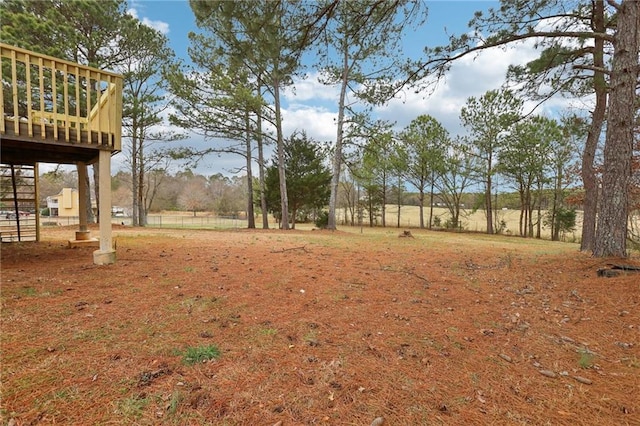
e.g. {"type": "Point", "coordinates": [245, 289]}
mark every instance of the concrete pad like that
{"type": "Point", "coordinates": [91, 242]}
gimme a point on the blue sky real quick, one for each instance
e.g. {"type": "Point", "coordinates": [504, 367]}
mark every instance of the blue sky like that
{"type": "Point", "coordinates": [311, 107]}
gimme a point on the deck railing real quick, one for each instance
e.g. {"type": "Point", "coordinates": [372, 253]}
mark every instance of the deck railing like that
{"type": "Point", "coordinates": [56, 100]}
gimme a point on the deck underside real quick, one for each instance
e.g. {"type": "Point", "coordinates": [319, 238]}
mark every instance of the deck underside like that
{"type": "Point", "coordinates": [18, 147]}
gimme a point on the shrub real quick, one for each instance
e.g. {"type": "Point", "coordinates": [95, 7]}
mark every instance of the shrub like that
{"type": "Point", "coordinates": [322, 220]}
{"type": "Point", "coordinates": [565, 222]}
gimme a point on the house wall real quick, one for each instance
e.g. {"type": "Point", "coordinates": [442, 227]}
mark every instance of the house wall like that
{"type": "Point", "coordinates": [65, 204]}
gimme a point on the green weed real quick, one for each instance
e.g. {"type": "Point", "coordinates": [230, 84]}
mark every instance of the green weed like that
{"type": "Point", "coordinates": [29, 291]}
{"type": "Point", "coordinates": [174, 401]}
{"type": "Point", "coordinates": [196, 354]}
{"type": "Point", "coordinates": [93, 335]}
{"type": "Point", "coordinates": [586, 359]}
{"type": "Point", "coordinates": [132, 408]}
{"type": "Point", "coordinates": [632, 361]}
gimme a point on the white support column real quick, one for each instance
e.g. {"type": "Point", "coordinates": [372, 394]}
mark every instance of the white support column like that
{"type": "Point", "coordinates": [106, 255]}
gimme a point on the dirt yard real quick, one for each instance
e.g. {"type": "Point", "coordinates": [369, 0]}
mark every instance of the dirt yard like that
{"type": "Point", "coordinates": [317, 327]}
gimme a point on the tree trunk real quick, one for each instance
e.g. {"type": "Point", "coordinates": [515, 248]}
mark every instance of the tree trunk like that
{"type": "Point", "coordinates": [487, 202]}
{"type": "Point", "coordinates": [399, 199]}
{"type": "Point", "coordinates": [421, 199]}
{"type": "Point", "coordinates": [431, 202]}
{"type": "Point", "coordinates": [611, 231]}
{"type": "Point", "coordinates": [523, 216]}
{"type": "Point", "coordinates": [456, 216]}
{"type": "Point", "coordinates": [337, 155]}
{"type": "Point", "coordinates": [555, 229]}
{"type": "Point", "coordinates": [263, 198]}
{"type": "Point", "coordinates": [284, 202]}
{"type": "Point", "coordinates": [589, 179]}
{"type": "Point", "coordinates": [384, 199]}
{"type": "Point", "coordinates": [539, 211]}
{"type": "Point", "coordinates": [135, 198]}
{"type": "Point", "coordinates": [371, 212]}
{"type": "Point", "coordinates": [251, 220]}
{"type": "Point", "coordinates": [529, 213]}
{"type": "Point", "coordinates": [294, 211]}
{"type": "Point", "coordinates": [142, 206]}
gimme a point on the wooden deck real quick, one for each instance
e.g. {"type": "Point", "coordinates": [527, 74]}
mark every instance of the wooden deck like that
{"type": "Point", "coordinates": [56, 111]}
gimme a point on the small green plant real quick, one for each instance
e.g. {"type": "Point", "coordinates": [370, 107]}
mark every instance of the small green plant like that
{"type": "Point", "coordinates": [133, 407]}
{"type": "Point", "coordinates": [311, 338]}
{"type": "Point", "coordinates": [632, 362]}
{"type": "Point", "coordinates": [586, 359]}
{"type": "Point", "coordinates": [502, 227]}
{"type": "Point", "coordinates": [200, 353]}
{"type": "Point", "coordinates": [174, 402]}
{"type": "Point", "coordinates": [29, 291]}
{"type": "Point", "coordinates": [507, 260]}
{"type": "Point", "coordinates": [475, 378]}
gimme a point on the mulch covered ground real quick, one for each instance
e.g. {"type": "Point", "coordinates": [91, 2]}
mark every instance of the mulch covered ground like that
{"type": "Point", "coordinates": [317, 327]}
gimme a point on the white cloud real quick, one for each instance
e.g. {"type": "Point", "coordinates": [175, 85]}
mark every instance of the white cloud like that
{"type": "Point", "coordinates": [309, 88]}
{"type": "Point", "coordinates": [160, 26]}
{"type": "Point", "coordinates": [467, 77]}
{"type": "Point", "coordinates": [311, 106]}
{"type": "Point", "coordinates": [319, 123]}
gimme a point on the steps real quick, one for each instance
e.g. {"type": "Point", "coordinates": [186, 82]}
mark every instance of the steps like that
{"type": "Point", "coordinates": [18, 203]}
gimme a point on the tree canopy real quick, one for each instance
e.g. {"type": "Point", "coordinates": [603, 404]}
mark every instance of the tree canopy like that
{"type": "Point", "coordinates": [582, 48]}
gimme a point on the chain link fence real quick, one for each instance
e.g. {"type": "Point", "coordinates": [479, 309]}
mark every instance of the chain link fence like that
{"type": "Point", "coordinates": [161, 221]}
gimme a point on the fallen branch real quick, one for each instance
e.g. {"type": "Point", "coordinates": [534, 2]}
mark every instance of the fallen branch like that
{"type": "Point", "coordinates": [625, 267]}
{"type": "Point", "coordinates": [303, 248]}
{"type": "Point", "coordinates": [617, 270]}
{"type": "Point", "coordinates": [402, 271]}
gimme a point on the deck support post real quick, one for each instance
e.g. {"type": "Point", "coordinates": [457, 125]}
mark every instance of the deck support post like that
{"type": "Point", "coordinates": [83, 232]}
{"type": "Point", "coordinates": [106, 255]}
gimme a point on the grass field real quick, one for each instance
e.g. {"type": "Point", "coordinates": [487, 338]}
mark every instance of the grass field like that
{"type": "Point", "coordinates": [409, 218]}
{"type": "Point", "coordinates": [473, 221]}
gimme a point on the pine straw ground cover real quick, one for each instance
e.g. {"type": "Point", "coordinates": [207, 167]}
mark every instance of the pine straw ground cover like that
{"type": "Point", "coordinates": [317, 327]}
